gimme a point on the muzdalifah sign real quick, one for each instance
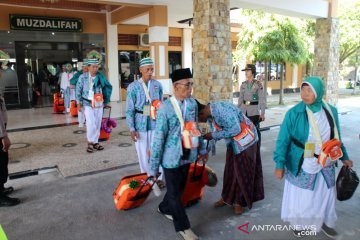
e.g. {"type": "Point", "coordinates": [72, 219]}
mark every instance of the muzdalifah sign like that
{"type": "Point", "coordinates": [36, 23]}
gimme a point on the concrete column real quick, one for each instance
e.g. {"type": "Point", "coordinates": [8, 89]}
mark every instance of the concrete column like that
{"type": "Point", "coordinates": [327, 52]}
{"type": "Point", "coordinates": [187, 48]}
{"type": "Point", "coordinates": [295, 71]}
{"type": "Point", "coordinates": [112, 57]}
{"type": "Point", "coordinates": [212, 60]}
{"type": "Point", "coordinates": [158, 40]}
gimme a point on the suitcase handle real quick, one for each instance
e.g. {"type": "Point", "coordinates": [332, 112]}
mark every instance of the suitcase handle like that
{"type": "Point", "coordinates": [140, 196]}
{"type": "Point", "coordinates": [195, 178]}
{"type": "Point", "coordinates": [107, 107]}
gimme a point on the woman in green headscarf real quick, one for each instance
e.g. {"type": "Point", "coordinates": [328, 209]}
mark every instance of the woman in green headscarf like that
{"type": "Point", "coordinates": [309, 192]}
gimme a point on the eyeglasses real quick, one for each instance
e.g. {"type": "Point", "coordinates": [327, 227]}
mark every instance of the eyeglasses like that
{"type": "Point", "coordinates": [149, 70]}
{"type": "Point", "coordinates": [187, 85]}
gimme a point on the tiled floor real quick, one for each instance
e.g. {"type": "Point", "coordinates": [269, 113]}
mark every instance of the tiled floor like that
{"type": "Point", "coordinates": [35, 117]}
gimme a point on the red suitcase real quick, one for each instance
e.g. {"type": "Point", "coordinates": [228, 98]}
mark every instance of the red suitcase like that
{"type": "Point", "coordinates": [58, 103]}
{"type": "Point", "coordinates": [132, 191]}
{"type": "Point", "coordinates": [194, 187]}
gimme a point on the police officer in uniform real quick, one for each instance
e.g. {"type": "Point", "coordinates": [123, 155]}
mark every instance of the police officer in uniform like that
{"type": "Point", "coordinates": [251, 99]}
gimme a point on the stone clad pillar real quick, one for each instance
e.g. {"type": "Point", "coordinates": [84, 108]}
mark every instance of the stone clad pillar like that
{"type": "Point", "coordinates": [327, 53]}
{"type": "Point", "coordinates": [212, 58]}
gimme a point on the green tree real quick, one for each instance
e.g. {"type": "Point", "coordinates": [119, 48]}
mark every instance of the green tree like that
{"type": "Point", "coordinates": [264, 34]}
{"type": "Point", "coordinates": [281, 45]}
{"type": "Point", "coordinates": [349, 29]}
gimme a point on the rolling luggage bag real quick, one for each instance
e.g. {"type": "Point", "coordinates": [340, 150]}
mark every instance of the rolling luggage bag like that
{"type": "Point", "coordinates": [132, 191]}
{"type": "Point", "coordinates": [73, 108]}
{"type": "Point", "coordinates": [107, 124]}
{"type": "Point", "coordinates": [194, 187]}
{"type": "Point", "coordinates": [59, 106]}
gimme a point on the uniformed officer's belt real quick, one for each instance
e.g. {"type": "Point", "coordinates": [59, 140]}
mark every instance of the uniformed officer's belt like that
{"type": "Point", "coordinates": [251, 103]}
{"type": "Point", "coordinates": [138, 111]}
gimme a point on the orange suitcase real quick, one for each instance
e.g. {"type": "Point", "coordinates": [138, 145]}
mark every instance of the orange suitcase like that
{"type": "Point", "coordinates": [73, 108]}
{"type": "Point", "coordinates": [132, 191]}
{"type": "Point", "coordinates": [59, 106]}
{"type": "Point", "coordinates": [104, 135]}
{"type": "Point", "coordinates": [194, 187]}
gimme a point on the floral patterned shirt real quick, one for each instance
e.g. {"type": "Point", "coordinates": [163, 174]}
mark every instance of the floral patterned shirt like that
{"type": "Point", "coordinates": [166, 147]}
{"type": "Point", "coordinates": [228, 117]}
{"type": "Point", "coordinates": [307, 180]}
{"type": "Point", "coordinates": [82, 90]}
{"type": "Point", "coordinates": [135, 102]}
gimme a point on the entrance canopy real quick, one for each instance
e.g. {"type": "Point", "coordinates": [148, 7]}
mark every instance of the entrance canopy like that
{"type": "Point", "coordinates": [136, 11]}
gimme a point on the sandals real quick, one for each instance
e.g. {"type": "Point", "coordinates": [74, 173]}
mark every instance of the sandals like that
{"type": "Point", "coordinates": [160, 184]}
{"type": "Point", "coordinates": [98, 147]}
{"type": "Point", "coordinates": [90, 148]}
{"type": "Point", "coordinates": [238, 209]}
{"type": "Point", "coordinates": [219, 203]}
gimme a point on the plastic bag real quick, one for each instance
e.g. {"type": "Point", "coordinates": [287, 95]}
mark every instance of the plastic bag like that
{"type": "Point", "coordinates": [346, 183]}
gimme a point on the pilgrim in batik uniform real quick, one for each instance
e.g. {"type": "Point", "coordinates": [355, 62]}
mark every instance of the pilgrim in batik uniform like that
{"type": "Point", "coordinates": [243, 178]}
{"type": "Point", "coordinates": [139, 97]}
{"type": "Point", "coordinates": [93, 92]}
{"type": "Point", "coordinates": [73, 82]}
{"type": "Point", "coordinates": [168, 150]}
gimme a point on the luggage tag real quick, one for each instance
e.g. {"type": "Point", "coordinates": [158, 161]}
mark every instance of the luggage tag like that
{"type": "Point", "coordinates": [98, 101]}
{"type": "Point", "coordinates": [146, 110]}
{"type": "Point", "coordinates": [309, 150]}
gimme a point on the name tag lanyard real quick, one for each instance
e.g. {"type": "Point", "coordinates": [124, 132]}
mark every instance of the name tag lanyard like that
{"type": "Point", "coordinates": [179, 113]}
{"type": "Point", "coordinates": [91, 88]}
{"type": "Point", "coordinates": [146, 90]}
{"type": "Point", "coordinates": [315, 127]}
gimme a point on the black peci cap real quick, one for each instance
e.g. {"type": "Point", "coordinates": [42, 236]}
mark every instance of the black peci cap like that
{"type": "Point", "coordinates": [180, 74]}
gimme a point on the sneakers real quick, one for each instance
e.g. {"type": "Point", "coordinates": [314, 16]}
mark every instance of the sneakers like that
{"type": "Point", "coordinates": [6, 201]}
{"type": "Point", "coordinates": [330, 232]}
{"type": "Point", "coordinates": [188, 234]}
{"type": "Point", "coordinates": [168, 216]}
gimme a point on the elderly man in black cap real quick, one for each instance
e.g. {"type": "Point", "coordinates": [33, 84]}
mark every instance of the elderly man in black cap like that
{"type": "Point", "coordinates": [252, 98]}
{"type": "Point", "coordinates": [175, 147]}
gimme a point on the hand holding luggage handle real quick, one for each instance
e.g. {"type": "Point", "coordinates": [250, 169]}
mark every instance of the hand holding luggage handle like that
{"type": "Point", "coordinates": [195, 177]}
{"type": "Point", "coordinates": [144, 194]}
{"type": "Point", "coordinates": [154, 187]}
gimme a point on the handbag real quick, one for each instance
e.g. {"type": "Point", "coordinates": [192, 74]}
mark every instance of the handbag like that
{"type": "Point", "coordinates": [346, 183]}
{"type": "Point", "coordinates": [246, 137]}
{"type": "Point", "coordinates": [155, 105]}
{"type": "Point", "coordinates": [210, 179]}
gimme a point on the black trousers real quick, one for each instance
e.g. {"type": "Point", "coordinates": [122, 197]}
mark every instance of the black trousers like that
{"type": "Point", "coordinates": [256, 120]}
{"type": "Point", "coordinates": [4, 160]}
{"type": "Point", "coordinates": [171, 204]}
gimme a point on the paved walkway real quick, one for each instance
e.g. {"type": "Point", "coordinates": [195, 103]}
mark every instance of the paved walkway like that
{"type": "Point", "coordinates": [80, 205]}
